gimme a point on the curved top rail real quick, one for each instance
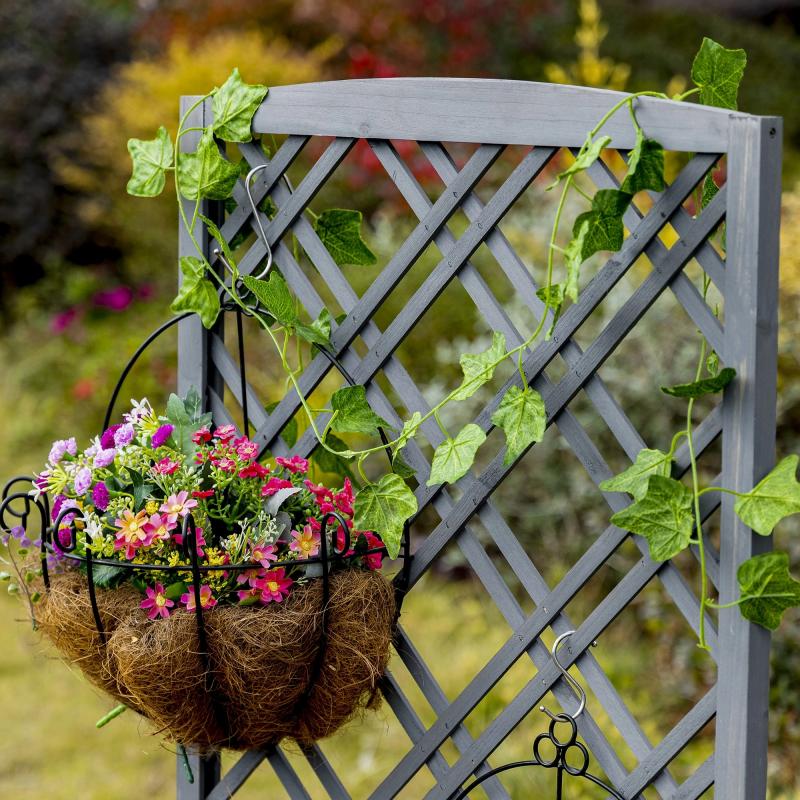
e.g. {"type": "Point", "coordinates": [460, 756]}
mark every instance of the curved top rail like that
{"type": "Point", "coordinates": [484, 111]}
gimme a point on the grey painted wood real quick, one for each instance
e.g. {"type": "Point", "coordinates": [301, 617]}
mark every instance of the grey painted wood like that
{"type": "Point", "coordinates": [751, 308]}
{"type": "Point", "coordinates": [481, 111]}
{"type": "Point", "coordinates": [205, 775]}
{"type": "Point", "coordinates": [235, 777]}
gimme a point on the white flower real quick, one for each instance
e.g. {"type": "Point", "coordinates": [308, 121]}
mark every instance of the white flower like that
{"type": "Point", "coordinates": [139, 408]}
{"type": "Point", "coordinates": [93, 527]}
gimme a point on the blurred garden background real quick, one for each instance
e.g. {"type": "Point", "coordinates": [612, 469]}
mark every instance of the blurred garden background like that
{"type": "Point", "coordinates": [87, 272]}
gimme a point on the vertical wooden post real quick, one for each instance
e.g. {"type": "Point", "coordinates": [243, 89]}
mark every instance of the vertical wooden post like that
{"type": "Point", "coordinates": [751, 324]}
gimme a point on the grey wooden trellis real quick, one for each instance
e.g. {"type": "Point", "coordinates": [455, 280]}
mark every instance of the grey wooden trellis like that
{"type": "Point", "coordinates": [495, 114]}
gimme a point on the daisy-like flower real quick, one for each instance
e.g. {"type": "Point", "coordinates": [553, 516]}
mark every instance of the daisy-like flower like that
{"type": "Point", "coordinates": [294, 464]}
{"type": "Point", "coordinates": [249, 596]}
{"type": "Point", "coordinates": [246, 449]}
{"type": "Point", "coordinates": [226, 464]}
{"type": "Point", "coordinates": [165, 467]}
{"type": "Point", "coordinates": [157, 604]}
{"type": "Point", "coordinates": [274, 485]}
{"type": "Point", "coordinates": [264, 554]}
{"type": "Point", "coordinates": [177, 505]}
{"type": "Point", "coordinates": [274, 586]}
{"type": "Point", "coordinates": [159, 527]}
{"type": "Point", "coordinates": [249, 575]}
{"type": "Point", "coordinates": [305, 543]}
{"type": "Point", "coordinates": [199, 539]}
{"type": "Point", "coordinates": [225, 432]}
{"type": "Point", "coordinates": [132, 532]}
{"type": "Point", "coordinates": [207, 599]}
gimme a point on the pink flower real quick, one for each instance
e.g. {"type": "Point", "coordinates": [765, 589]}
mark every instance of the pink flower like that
{"type": "Point", "coordinates": [123, 435]}
{"type": "Point", "coordinates": [198, 537]}
{"type": "Point", "coordinates": [274, 485]}
{"type": "Point", "coordinates": [159, 527]}
{"type": "Point", "coordinates": [165, 467]}
{"type": "Point", "coordinates": [61, 321]}
{"type": "Point", "coordinates": [321, 493]}
{"type": "Point", "coordinates": [306, 542]}
{"type": "Point", "coordinates": [344, 500]}
{"type": "Point", "coordinates": [158, 603]}
{"type": "Point", "coordinates": [177, 505]}
{"type": "Point", "coordinates": [206, 598]}
{"type": "Point", "coordinates": [203, 495]}
{"type": "Point", "coordinates": [203, 435]}
{"type": "Point", "coordinates": [249, 575]}
{"type": "Point", "coordinates": [104, 458]}
{"type": "Point", "coordinates": [254, 470]}
{"type": "Point", "coordinates": [225, 432]}
{"type": "Point", "coordinates": [373, 560]}
{"type": "Point", "coordinates": [264, 553]}
{"type": "Point", "coordinates": [226, 464]}
{"type": "Point", "coordinates": [249, 596]}
{"type": "Point", "coordinates": [161, 435]}
{"type": "Point", "coordinates": [274, 586]}
{"type": "Point", "coordinates": [100, 496]}
{"type": "Point", "coordinates": [293, 464]}
{"type": "Point", "coordinates": [117, 299]}
{"type": "Point", "coordinates": [132, 532]}
{"type": "Point", "coordinates": [246, 449]}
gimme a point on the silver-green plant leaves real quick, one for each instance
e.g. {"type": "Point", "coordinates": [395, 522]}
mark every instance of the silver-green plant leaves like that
{"type": "Point", "coordinates": [634, 480]}
{"type": "Point", "coordinates": [453, 457]}
{"type": "Point", "coordinates": [196, 292]}
{"type": "Point", "coordinates": [767, 589]}
{"type": "Point", "coordinates": [339, 229]}
{"type": "Point", "coordinates": [717, 72]}
{"type": "Point", "coordinates": [478, 368]}
{"type": "Point", "coordinates": [233, 106]}
{"type": "Point", "coordinates": [384, 507]}
{"type": "Point", "coordinates": [521, 414]}
{"type": "Point", "coordinates": [776, 496]}
{"type": "Point", "coordinates": [151, 158]}
{"type": "Point", "coordinates": [206, 173]}
{"type": "Point", "coordinates": [663, 516]}
{"type": "Point", "coordinates": [352, 412]}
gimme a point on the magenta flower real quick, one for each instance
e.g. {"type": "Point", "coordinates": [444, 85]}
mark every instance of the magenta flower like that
{"type": "Point", "coordinates": [226, 464]}
{"type": "Point", "coordinates": [344, 500]}
{"type": "Point", "coordinates": [116, 299]}
{"type": "Point", "coordinates": [321, 493]}
{"type": "Point", "coordinates": [254, 470]}
{"type": "Point", "coordinates": [198, 537]}
{"type": "Point", "coordinates": [83, 480]}
{"type": "Point", "coordinates": [274, 586]}
{"type": "Point", "coordinates": [177, 505]}
{"type": "Point", "coordinates": [161, 435]}
{"type": "Point", "coordinates": [107, 439]}
{"type": "Point", "coordinates": [202, 435]}
{"type": "Point", "coordinates": [249, 596]}
{"type": "Point", "coordinates": [157, 602]}
{"type": "Point", "coordinates": [246, 449]}
{"type": "Point", "coordinates": [305, 543]}
{"type": "Point", "coordinates": [61, 321]}
{"type": "Point", "coordinates": [294, 464]}
{"type": "Point", "coordinates": [105, 457]}
{"type": "Point", "coordinates": [373, 560]}
{"type": "Point", "coordinates": [264, 553]}
{"type": "Point", "coordinates": [165, 467]}
{"type": "Point", "coordinates": [225, 432]}
{"type": "Point", "coordinates": [159, 527]}
{"type": "Point", "coordinates": [100, 496]}
{"type": "Point", "coordinates": [249, 575]}
{"type": "Point", "coordinates": [274, 485]}
{"type": "Point", "coordinates": [206, 598]}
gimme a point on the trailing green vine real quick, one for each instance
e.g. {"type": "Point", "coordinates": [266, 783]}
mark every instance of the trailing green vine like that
{"type": "Point", "coordinates": [664, 510]}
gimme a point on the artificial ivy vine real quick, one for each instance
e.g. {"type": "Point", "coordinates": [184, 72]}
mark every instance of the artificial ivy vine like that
{"type": "Point", "coordinates": [665, 511]}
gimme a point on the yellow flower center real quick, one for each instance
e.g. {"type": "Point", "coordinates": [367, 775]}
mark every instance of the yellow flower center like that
{"type": "Point", "coordinates": [272, 586]}
{"type": "Point", "coordinates": [161, 600]}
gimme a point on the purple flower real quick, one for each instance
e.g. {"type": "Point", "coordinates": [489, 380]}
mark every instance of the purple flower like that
{"type": "Point", "coordinates": [41, 480]}
{"type": "Point", "coordinates": [107, 439]}
{"type": "Point", "coordinates": [100, 496]}
{"type": "Point", "coordinates": [60, 448]}
{"type": "Point", "coordinates": [105, 457]}
{"type": "Point", "coordinates": [57, 503]}
{"type": "Point", "coordinates": [117, 299]}
{"type": "Point", "coordinates": [161, 435]}
{"type": "Point", "coordinates": [123, 435]}
{"type": "Point", "coordinates": [83, 480]}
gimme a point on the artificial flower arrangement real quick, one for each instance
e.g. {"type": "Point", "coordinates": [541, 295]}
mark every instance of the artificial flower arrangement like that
{"type": "Point", "coordinates": [123, 508]}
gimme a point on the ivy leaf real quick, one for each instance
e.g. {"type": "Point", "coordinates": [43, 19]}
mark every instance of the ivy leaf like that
{"type": "Point", "coordinates": [275, 296]}
{"type": "Point", "coordinates": [605, 230]}
{"type": "Point", "coordinates": [645, 167]}
{"type": "Point", "coordinates": [453, 457]}
{"type": "Point", "coordinates": [705, 386]}
{"type": "Point", "coordinates": [234, 105]}
{"type": "Point", "coordinates": [573, 258]}
{"type": "Point", "coordinates": [107, 576]}
{"type": "Point", "coordinates": [478, 368]}
{"type": "Point", "coordinates": [196, 292]}
{"type": "Point", "coordinates": [717, 72]}
{"type": "Point", "coordinates": [223, 244]}
{"type": "Point", "coordinates": [522, 416]}
{"type": "Point", "coordinates": [409, 429]}
{"type": "Point", "coordinates": [319, 331]}
{"type": "Point", "coordinates": [767, 589]}
{"type": "Point", "coordinates": [339, 229]}
{"type": "Point", "coordinates": [589, 153]}
{"type": "Point", "coordinates": [384, 507]}
{"type": "Point", "coordinates": [289, 431]}
{"type": "Point", "coordinates": [206, 173]}
{"type": "Point", "coordinates": [151, 158]}
{"type": "Point", "coordinates": [553, 298]}
{"type": "Point", "coordinates": [353, 412]}
{"type": "Point", "coordinates": [663, 516]}
{"type": "Point", "coordinates": [634, 480]}
{"type": "Point", "coordinates": [331, 462]}
{"type": "Point", "coordinates": [400, 466]}
{"type": "Point", "coordinates": [774, 497]}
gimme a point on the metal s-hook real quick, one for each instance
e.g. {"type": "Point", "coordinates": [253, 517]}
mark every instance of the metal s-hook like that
{"type": "Point", "coordinates": [569, 679]}
{"type": "Point", "coordinates": [257, 217]}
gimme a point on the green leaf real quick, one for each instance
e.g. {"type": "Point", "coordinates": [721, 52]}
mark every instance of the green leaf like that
{"type": "Point", "coordinates": [400, 466]}
{"type": "Point", "coordinates": [223, 244]}
{"type": "Point", "coordinates": [140, 489]}
{"type": "Point", "coordinates": [384, 507]}
{"type": "Point", "coordinates": [175, 590]}
{"type": "Point", "coordinates": [339, 229]}
{"type": "Point", "coordinates": [767, 589]}
{"type": "Point", "coordinates": [717, 72]}
{"type": "Point", "coordinates": [634, 479]}
{"type": "Point", "coordinates": [712, 364]}
{"type": "Point", "coordinates": [331, 462]}
{"type": "Point", "coordinates": [196, 292]}
{"type": "Point", "coordinates": [589, 153]}
{"type": "Point", "coordinates": [193, 405]}
{"type": "Point", "coordinates": [663, 516]}
{"type": "Point", "coordinates": [645, 167]}
{"type": "Point", "coordinates": [453, 457]}
{"type": "Point", "coordinates": [478, 368]}
{"type": "Point", "coordinates": [353, 413]}
{"type": "Point", "coordinates": [151, 159]}
{"type": "Point", "coordinates": [289, 431]}
{"type": "Point", "coordinates": [702, 387]}
{"type": "Point", "coordinates": [710, 189]}
{"type": "Point", "coordinates": [108, 577]}
{"type": "Point", "coordinates": [319, 331]}
{"type": "Point", "coordinates": [522, 416]}
{"type": "Point", "coordinates": [275, 296]}
{"type": "Point", "coordinates": [573, 258]}
{"type": "Point", "coordinates": [233, 106]}
{"type": "Point", "coordinates": [206, 173]}
{"type": "Point", "coordinates": [409, 430]}
{"type": "Point", "coordinates": [183, 424]}
{"type": "Point", "coordinates": [605, 230]}
{"type": "Point", "coordinates": [774, 497]}
{"type": "Point", "coordinates": [553, 297]}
